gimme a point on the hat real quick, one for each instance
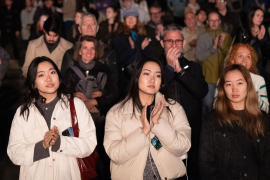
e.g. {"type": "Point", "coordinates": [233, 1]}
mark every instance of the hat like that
{"type": "Point", "coordinates": [131, 12]}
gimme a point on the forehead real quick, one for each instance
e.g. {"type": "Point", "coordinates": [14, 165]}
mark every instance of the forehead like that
{"type": "Point", "coordinates": [154, 9]}
{"type": "Point", "coordinates": [173, 34]}
{"type": "Point", "coordinates": [259, 12]}
{"type": "Point", "coordinates": [243, 50]}
{"type": "Point", "coordinates": [213, 16]}
{"type": "Point", "coordinates": [88, 20]}
{"type": "Point", "coordinates": [51, 33]}
{"type": "Point", "coordinates": [88, 43]}
{"type": "Point", "coordinates": [44, 66]}
{"type": "Point", "coordinates": [189, 15]}
{"type": "Point", "coordinates": [233, 75]}
{"type": "Point", "coordinates": [153, 66]}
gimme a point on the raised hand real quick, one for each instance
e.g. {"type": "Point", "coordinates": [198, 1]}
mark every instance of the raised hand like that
{"type": "Point", "coordinates": [172, 56]}
{"type": "Point", "coordinates": [158, 110]}
{"type": "Point", "coordinates": [222, 37]}
{"type": "Point", "coordinates": [216, 42]}
{"type": "Point", "coordinates": [96, 94]}
{"type": "Point", "coordinates": [55, 135]}
{"type": "Point", "coordinates": [261, 32]}
{"type": "Point", "coordinates": [132, 45]}
{"type": "Point", "coordinates": [145, 43]}
{"type": "Point", "coordinates": [145, 123]}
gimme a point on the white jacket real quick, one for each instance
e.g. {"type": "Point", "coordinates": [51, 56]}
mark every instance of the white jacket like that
{"type": "Point", "coordinates": [61, 165]}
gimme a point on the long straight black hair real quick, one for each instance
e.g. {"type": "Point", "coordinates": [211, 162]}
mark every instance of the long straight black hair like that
{"type": "Point", "coordinates": [133, 87]}
{"type": "Point", "coordinates": [31, 94]}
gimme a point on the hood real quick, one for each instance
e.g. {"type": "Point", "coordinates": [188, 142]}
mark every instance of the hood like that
{"type": "Point", "coordinates": [122, 6]}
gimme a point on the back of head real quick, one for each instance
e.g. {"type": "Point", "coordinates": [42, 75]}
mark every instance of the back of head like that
{"type": "Point", "coordinates": [53, 23]}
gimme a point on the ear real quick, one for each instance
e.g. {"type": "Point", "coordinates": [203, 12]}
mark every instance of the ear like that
{"type": "Point", "coordinates": [162, 43]}
{"type": "Point", "coordinates": [79, 28]}
{"type": "Point", "coordinates": [184, 43]}
{"type": "Point", "coordinates": [97, 28]}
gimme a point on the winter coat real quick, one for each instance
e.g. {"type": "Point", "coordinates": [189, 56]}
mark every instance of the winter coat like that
{"type": "Point", "coordinates": [128, 147]}
{"type": "Point", "coordinates": [61, 164]}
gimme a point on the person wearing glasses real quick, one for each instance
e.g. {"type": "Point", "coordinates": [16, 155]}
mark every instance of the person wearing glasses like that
{"type": "Point", "coordinates": [186, 85]}
{"type": "Point", "coordinates": [211, 50]}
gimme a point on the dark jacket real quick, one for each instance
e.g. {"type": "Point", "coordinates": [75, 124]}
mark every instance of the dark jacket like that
{"type": "Point", "coordinates": [110, 92]}
{"type": "Point", "coordinates": [9, 21]}
{"type": "Point", "coordinates": [44, 10]}
{"type": "Point", "coordinates": [4, 62]}
{"type": "Point", "coordinates": [261, 47]}
{"type": "Point", "coordinates": [228, 153]}
{"type": "Point", "coordinates": [108, 58]}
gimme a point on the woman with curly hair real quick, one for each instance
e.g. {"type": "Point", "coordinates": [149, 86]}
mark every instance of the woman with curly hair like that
{"type": "Point", "coordinates": [245, 55]}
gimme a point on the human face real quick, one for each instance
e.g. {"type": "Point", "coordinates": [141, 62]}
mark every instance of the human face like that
{"type": "Point", "coordinates": [201, 17]}
{"type": "Point", "coordinates": [87, 51]}
{"type": "Point", "coordinates": [243, 57]}
{"type": "Point", "coordinates": [192, 1]}
{"type": "Point", "coordinates": [28, 3]}
{"type": "Point", "coordinates": [51, 37]}
{"type": "Point", "coordinates": [47, 80]}
{"type": "Point", "coordinates": [8, 2]}
{"type": "Point", "coordinates": [77, 18]}
{"type": "Point", "coordinates": [155, 14]}
{"type": "Point", "coordinates": [173, 35]}
{"type": "Point", "coordinates": [127, 3]}
{"type": "Point", "coordinates": [190, 20]}
{"type": "Point", "coordinates": [213, 21]}
{"type": "Point", "coordinates": [110, 14]}
{"type": "Point", "coordinates": [258, 18]}
{"type": "Point", "coordinates": [131, 21]}
{"type": "Point", "coordinates": [88, 27]}
{"type": "Point", "coordinates": [42, 21]}
{"type": "Point", "coordinates": [48, 3]}
{"type": "Point", "coordinates": [150, 79]}
{"type": "Point", "coordinates": [221, 4]}
{"type": "Point", "coordinates": [235, 88]}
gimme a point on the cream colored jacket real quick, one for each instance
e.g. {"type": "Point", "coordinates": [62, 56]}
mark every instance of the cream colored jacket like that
{"type": "Point", "coordinates": [37, 47]}
{"type": "Point", "coordinates": [61, 165]}
{"type": "Point", "coordinates": [127, 145]}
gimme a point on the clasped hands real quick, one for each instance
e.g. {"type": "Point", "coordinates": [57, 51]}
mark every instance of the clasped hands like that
{"type": "Point", "coordinates": [50, 137]}
{"type": "Point", "coordinates": [89, 103]}
{"type": "Point", "coordinates": [154, 116]}
{"type": "Point", "coordinates": [172, 56]}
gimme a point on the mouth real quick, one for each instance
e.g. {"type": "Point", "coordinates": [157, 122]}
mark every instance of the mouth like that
{"type": "Point", "coordinates": [235, 96]}
{"type": "Point", "coordinates": [50, 85]}
{"type": "Point", "coordinates": [151, 86]}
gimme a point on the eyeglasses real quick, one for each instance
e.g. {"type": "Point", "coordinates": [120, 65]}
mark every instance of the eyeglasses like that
{"type": "Point", "coordinates": [43, 19]}
{"type": "Point", "coordinates": [170, 42]}
{"type": "Point", "coordinates": [214, 21]}
{"type": "Point", "coordinates": [157, 13]}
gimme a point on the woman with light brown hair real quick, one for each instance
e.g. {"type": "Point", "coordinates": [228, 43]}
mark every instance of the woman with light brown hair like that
{"type": "Point", "coordinates": [245, 55]}
{"type": "Point", "coordinates": [235, 136]}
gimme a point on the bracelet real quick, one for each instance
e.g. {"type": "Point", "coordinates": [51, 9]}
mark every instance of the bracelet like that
{"type": "Point", "coordinates": [181, 72]}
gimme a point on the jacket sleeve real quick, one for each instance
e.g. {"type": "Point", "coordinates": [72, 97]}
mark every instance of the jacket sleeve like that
{"type": "Point", "coordinates": [202, 52]}
{"type": "Point", "coordinates": [226, 45]}
{"type": "Point", "coordinates": [29, 57]}
{"type": "Point", "coordinates": [67, 60]}
{"type": "Point", "coordinates": [118, 147]}
{"type": "Point", "coordinates": [194, 81]}
{"type": "Point", "coordinates": [207, 160]}
{"type": "Point", "coordinates": [175, 136]}
{"type": "Point", "coordinates": [85, 144]}
{"type": "Point", "coordinates": [262, 96]}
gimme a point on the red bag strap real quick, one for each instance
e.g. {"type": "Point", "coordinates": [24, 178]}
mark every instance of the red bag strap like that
{"type": "Point", "coordinates": [74, 118]}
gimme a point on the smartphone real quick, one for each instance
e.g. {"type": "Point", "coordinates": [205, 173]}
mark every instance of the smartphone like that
{"type": "Point", "coordinates": [156, 143]}
{"type": "Point", "coordinates": [68, 132]}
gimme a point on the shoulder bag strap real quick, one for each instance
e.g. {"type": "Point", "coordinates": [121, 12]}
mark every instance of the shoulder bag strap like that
{"type": "Point", "coordinates": [102, 79]}
{"type": "Point", "coordinates": [74, 118]}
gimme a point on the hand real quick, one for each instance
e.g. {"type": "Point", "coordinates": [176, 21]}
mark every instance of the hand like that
{"type": "Point", "coordinates": [93, 110]}
{"type": "Point", "coordinates": [55, 135]}
{"type": "Point", "coordinates": [222, 37]}
{"type": "Point", "coordinates": [81, 96]}
{"type": "Point", "coordinates": [28, 28]}
{"type": "Point", "coordinates": [216, 42]}
{"type": "Point", "coordinates": [146, 126]}
{"type": "Point", "coordinates": [47, 139]}
{"type": "Point", "coordinates": [90, 103]}
{"type": "Point", "coordinates": [145, 43]}
{"type": "Point", "coordinates": [132, 45]}
{"type": "Point", "coordinates": [17, 33]}
{"type": "Point", "coordinates": [160, 28]}
{"type": "Point", "coordinates": [96, 94]}
{"type": "Point", "coordinates": [172, 56]}
{"type": "Point", "coordinates": [261, 32]}
{"type": "Point", "coordinates": [158, 110]}
{"type": "Point", "coordinates": [255, 31]}
{"type": "Point", "coordinates": [193, 43]}
{"type": "Point", "coordinates": [177, 67]}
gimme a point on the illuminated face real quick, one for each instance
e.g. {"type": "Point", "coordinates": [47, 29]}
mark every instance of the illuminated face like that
{"type": "Point", "coordinates": [235, 88]}
{"type": "Point", "coordinates": [48, 3]}
{"type": "Point", "coordinates": [42, 20]}
{"type": "Point", "coordinates": [127, 3]}
{"type": "Point", "coordinates": [87, 51]}
{"type": "Point", "coordinates": [243, 57]}
{"type": "Point", "coordinates": [221, 4]}
{"type": "Point", "coordinates": [150, 79]}
{"type": "Point", "coordinates": [51, 37]}
{"type": "Point", "coordinates": [190, 20]}
{"type": "Point", "coordinates": [88, 27]}
{"type": "Point", "coordinates": [131, 21]}
{"type": "Point", "coordinates": [77, 17]}
{"type": "Point", "coordinates": [213, 21]}
{"type": "Point", "coordinates": [155, 14]}
{"type": "Point", "coordinates": [201, 17]}
{"type": "Point", "coordinates": [258, 18]}
{"type": "Point", "coordinates": [110, 14]}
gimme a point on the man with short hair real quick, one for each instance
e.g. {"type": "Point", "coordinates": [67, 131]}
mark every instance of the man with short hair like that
{"type": "Point", "coordinates": [47, 8]}
{"type": "Point", "coordinates": [186, 85]}
{"type": "Point", "coordinates": [229, 21]}
{"type": "Point", "coordinates": [154, 29]}
{"type": "Point", "coordinates": [211, 49]}
{"type": "Point", "coordinates": [50, 45]}
{"type": "Point", "coordinates": [192, 31]}
{"type": "Point", "coordinates": [88, 26]}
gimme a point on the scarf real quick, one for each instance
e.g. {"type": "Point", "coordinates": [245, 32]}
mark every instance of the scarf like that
{"type": "Point", "coordinates": [87, 66]}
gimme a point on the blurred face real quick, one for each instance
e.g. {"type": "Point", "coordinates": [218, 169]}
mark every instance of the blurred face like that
{"type": "Point", "coordinates": [190, 20]}
{"type": "Point", "coordinates": [221, 4]}
{"type": "Point", "coordinates": [150, 79]}
{"type": "Point", "coordinates": [48, 3]}
{"type": "Point", "coordinates": [110, 14]}
{"type": "Point", "coordinates": [201, 17]}
{"type": "Point", "coordinates": [155, 14]}
{"type": "Point", "coordinates": [47, 79]}
{"type": "Point", "coordinates": [213, 21]}
{"type": "Point", "coordinates": [88, 27]}
{"type": "Point", "coordinates": [28, 3]}
{"type": "Point", "coordinates": [42, 21]}
{"type": "Point", "coordinates": [173, 39]}
{"type": "Point", "coordinates": [235, 88]}
{"type": "Point", "coordinates": [211, 1]}
{"type": "Point", "coordinates": [8, 2]}
{"type": "Point", "coordinates": [77, 18]}
{"type": "Point", "coordinates": [192, 1]}
{"type": "Point", "coordinates": [87, 51]}
{"type": "Point", "coordinates": [51, 37]}
{"type": "Point", "coordinates": [131, 21]}
{"type": "Point", "coordinates": [258, 18]}
{"type": "Point", "coordinates": [127, 3]}
{"type": "Point", "coordinates": [243, 57]}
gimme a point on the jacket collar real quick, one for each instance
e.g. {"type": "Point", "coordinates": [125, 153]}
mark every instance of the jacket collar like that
{"type": "Point", "coordinates": [62, 44]}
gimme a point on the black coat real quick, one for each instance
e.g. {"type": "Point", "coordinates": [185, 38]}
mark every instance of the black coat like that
{"type": "Point", "coordinates": [9, 21]}
{"type": "Point", "coordinates": [228, 153]}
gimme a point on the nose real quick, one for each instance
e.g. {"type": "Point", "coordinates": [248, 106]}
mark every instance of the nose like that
{"type": "Point", "coordinates": [174, 44]}
{"type": "Point", "coordinates": [48, 77]}
{"type": "Point", "coordinates": [152, 78]}
{"type": "Point", "coordinates": [89, 26]}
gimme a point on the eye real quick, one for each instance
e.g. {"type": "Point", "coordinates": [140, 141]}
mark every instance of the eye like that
{"type": "Point", "coordinates": [53, 72]}
{"type": "Point", "coordinates": [249, 57]}
{"type": "Point", "coordinates": [40, 75]}
{"type": "Point", "coordinates": [145, 73]}
{"type": "Point", "coordinates": [159, 76]}
{"type": "Point", "coordinates": [227, 85]}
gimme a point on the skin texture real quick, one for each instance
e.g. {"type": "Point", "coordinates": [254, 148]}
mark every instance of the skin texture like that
{"type": "Point", "coordinates": [155, 14]}
{"type": "Point", "coordinates": [77, 17]}
{"type": "Point", "coordinates": [235, 88]}
{"type": "Point", "coordinates": [48, 3]}
{"type": "Point", "coordinates": [87, 51]}
{"type": "Point", "coordinates": [42, 19]}
{"type": "Point", "coordinates": [213, 21]}
{"type": "Point", "coordinates": [243, 57]}
{"type": "Point", "coordinates": [88, 27]}
{"type": "Point", "coordinates": [131, 21]}
{"type": "Point", "coordinates": [51, 37]}
{"type": "Point", "coordinates": [201, 17]}
{"type": "Point", "coordinates": [127, 3]}
{"type": "Point", "coordinates": [110, 14]}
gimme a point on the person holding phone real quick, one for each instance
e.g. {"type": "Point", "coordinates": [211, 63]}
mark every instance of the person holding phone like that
{"type": "Point", "coordinates": [147, 135]}
{"type": "Point", "coordinates": [38, 141]}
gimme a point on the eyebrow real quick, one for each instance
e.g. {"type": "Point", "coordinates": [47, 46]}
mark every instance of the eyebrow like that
{"type": "Point", "coordinates": [150, 70]}
{"type": "Point", "coordinates": [236, 80]}
{"type": "Point", "coordinates": [43, 71]}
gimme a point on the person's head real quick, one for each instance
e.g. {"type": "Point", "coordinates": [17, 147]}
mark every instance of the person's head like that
{"type": "Point", "coordinates": [48, 3]}
{"type": "Point", "coordinates": [236, 92]}
{"type": "Point", "coordinates": [112, 12]}
{"type": "Point", "coordinates": [245, 55]}
{"type": "Point", "coordinates": [190, 20]}
{"type": "Point", "coordinates": [172, 37]}
{"type": "Point", "coordinates": [127, 3]}
{"type": "Point", "coordinates": [42, 20]}
{"type": "Point", "coordinates": [52, 28]}
{"type": "Point", "coordinates": [131, 21]}
{"type": "Point", "coordinates": [8, 3]}
{"type": "Point", "coordinates": [201, 16]}
{"type": "Point", "coordinates": [192, 2]}
{"type": "Point", "coordinates": [255, 17]}
{"type": "Point", "coordinates": [28, 3]}
{"type": "Point", "coordinates": [78, 17]}
{"type": "Point", "coordinates": [88, 49]}
{"type": "Point", "coordinates": [221, 4]}
{"type": "Point", "coordinates": [211, 1]}
{"type": "Point", "coordinates": [88, 25]}
{"type": "Point", "coordinates": [155, 13]}
{"type": "Point", "coordinates": [213, 20]}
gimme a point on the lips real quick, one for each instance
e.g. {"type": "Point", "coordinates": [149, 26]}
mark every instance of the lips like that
{"type": "Point", "coordinates": [151, 86]}
{"type": "Point", "coordinates": [235, 96]}
{"type": "Point", "coordinates": [50, 85]}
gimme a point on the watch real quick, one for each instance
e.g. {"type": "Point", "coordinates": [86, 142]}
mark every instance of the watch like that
{"type": "Point", "coordinates": [181, 72]}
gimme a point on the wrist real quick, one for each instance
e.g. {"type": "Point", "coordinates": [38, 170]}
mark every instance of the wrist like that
{"type": "Point", "coordinates": [44, 145]}
{"type": "Point", "coordinates": [146, 131]}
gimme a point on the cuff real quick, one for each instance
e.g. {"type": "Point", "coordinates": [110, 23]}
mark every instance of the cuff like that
{"type": "Point", "coordinates": [57, 145]}
{"type": "Point", "coordinates": [40, 152]}
{"type": "Point", "coordinates": [170, 68]}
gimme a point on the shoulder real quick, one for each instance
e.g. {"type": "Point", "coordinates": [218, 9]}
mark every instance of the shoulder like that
{"type": "Point", "coordinates": [65, 44]}
{"type": "Point", "coordinates": [36, 42]}
{"type": "Point", "coordinates": [258, 81]}
{"type": "Point", "coordinates": [78, 102]}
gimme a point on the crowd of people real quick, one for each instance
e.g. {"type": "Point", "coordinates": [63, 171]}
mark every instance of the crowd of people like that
{"type": "Point", "coordinates": [162, 89]}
